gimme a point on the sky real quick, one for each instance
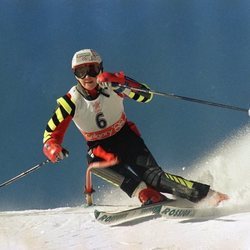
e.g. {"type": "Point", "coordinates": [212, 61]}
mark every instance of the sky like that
{"type": "Point", "coordinates": [199, 49]}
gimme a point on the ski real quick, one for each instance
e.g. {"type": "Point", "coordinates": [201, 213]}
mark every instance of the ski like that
{"type": "Point", "coordinates": [169, 209]}
{"type": "Point", "coordinates": [178, 209]}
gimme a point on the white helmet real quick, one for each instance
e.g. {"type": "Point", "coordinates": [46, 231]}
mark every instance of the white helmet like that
{"type": "Point", "coordinates": [85, 56]}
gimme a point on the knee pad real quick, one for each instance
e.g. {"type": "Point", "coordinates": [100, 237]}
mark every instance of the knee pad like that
{"type": "Point", "coordinates": [152, 176]}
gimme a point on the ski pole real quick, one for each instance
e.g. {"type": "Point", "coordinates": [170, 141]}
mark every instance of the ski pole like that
{"type": "Point", "coordinates": [171, 95]}
{"type": "Point", "coordinates": [24, 173]}
{"type": "Point", "coordinates": [89, 187]}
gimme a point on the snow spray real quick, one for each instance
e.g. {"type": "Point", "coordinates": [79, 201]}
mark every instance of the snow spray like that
{"type": "Point", "coordinates": [227, 168]}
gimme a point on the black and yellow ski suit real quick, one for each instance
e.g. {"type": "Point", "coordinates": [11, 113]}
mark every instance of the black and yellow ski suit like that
{"type": "Point", "coordinates": [116, 135]}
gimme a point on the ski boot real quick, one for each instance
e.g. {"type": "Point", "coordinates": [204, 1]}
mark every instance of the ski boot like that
{"type": "Point", "coordinates": [149, 196]}
{"type": "Point", "coordinates": [214, 198]}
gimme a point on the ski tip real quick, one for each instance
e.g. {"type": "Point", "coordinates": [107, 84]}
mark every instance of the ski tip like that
{"type": "Point", "coordinates": [214, 198]}
{"type": "Point", "coordinates": [222, 197]}
{"type": "Point", "coordinates": [96, 213]}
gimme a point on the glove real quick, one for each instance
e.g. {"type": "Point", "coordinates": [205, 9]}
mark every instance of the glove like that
{"type": "Point", "coordinates": [53, 151]}
{"type": "Point", "coordinates": [107, 79]}
{"type": "Point", "coordinates": [105, 85]}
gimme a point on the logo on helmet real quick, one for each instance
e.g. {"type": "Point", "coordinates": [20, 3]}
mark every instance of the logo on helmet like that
{"type": "Point", "coordinates": [85, 56]}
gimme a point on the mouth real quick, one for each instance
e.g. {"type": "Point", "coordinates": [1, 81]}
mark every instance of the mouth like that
{"type": "Point", "coordinates": [88, 82]}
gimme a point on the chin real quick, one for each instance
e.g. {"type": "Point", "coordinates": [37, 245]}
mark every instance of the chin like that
{"type": "Point", "coordinates": [90, 87]}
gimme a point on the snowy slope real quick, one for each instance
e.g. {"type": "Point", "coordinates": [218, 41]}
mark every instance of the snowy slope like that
{"type": "Point", "coordinates": [226, 169]}
{"type": "Point", "coordinates": [76, 228]}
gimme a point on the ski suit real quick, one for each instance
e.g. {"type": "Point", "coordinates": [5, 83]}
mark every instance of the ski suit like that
{"type": "Point", "coordinates": [103, 123]}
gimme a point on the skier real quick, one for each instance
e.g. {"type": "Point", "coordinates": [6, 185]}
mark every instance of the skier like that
{"type": "Point", "coordinates": [95, 104]}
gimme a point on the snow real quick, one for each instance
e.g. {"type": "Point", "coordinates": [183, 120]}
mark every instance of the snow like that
{"type": "Point", "coordinates": [226, 169]}
{"type": "Point", "coordinates": [76, 228]}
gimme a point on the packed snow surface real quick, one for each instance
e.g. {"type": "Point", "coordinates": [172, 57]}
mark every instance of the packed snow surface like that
{"type": "Point", "coordinates": [226, 169]}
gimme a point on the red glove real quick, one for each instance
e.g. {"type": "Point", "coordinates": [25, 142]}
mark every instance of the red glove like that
{"type": "Point", "coordinates": [111, 78]}
{"type": "Point", "coordinates": [53, 151]}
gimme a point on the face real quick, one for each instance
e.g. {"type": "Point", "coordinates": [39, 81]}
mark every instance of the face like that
{"type": "Point", "coordinates": [86, 75]}
{"type": "Point", "coordinates": [88, 82]}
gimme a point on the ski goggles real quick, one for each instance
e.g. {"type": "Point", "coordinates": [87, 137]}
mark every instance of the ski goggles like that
{"type": "Point", "coordinates": [89, 69]}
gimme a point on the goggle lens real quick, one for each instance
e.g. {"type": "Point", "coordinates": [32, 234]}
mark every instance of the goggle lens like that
{"type": "Point", "coordinates": [91, 70]}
